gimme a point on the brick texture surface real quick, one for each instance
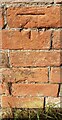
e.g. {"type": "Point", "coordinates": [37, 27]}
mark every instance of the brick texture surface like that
{"type": "Point", "coordinates": [32, 18]}
{"type": "Point", "coordinates": [30, 53]}
{"type": "Point", "coordinates": [57, 39]}
{"type": "Point", "coordinates": [39, 90]}
{"type": "Point", "coordinates": [32, 58]}
{"type": "Point", "coordinates": [11, 39]}
{"type": "Point", "coordinates": [33, 102]}
{"type": "Point", "coordinates": [25, 75]}
{"type": "Point", "coordinates": [56, 75]}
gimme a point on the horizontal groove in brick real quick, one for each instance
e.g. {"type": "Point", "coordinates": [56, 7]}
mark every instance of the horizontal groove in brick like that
{"type": "Point", "coordinates": [33, 58]}
{"type": "Point", "coordinates": [35, 89]}
{"type": "Point", "coordinates": [25, 39]}
{"type": "Point", "coordinates": [32, 102]}
{"type": "Point", "coordinates": [18, 75]}
{"type": "Point", "coordinates": [48, 18]}
{"type": "Point", "coordinates": [56, 75]}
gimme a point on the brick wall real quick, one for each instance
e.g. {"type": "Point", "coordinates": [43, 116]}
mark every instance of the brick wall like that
{"type": "Point", "coordinates": [30, 53]}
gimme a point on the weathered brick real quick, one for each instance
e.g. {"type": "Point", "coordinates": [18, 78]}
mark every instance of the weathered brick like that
{"type": "Point", "coordinates": [1, 18]}
{"type": "Point", "coordinates": [32, 17]}
{"type": "Point", "coordinates": [15, 75]}
{"type": "Point", "coordinates": [34, 89]}
{"type": "Point", "coordinates": [55, 102]}
{"type": "Point", "coordinates": [35, 58]}
{"type": "Point", "coordinates": [57, 39]}
{"type": "Point", "coordinates": [3, 59]}
{"type": "Point", "coordinates": [56, 75]}
{"type": "Point", "coordinates": [32, 102]}
{"type": "Point", "coordinates": [25, 39]}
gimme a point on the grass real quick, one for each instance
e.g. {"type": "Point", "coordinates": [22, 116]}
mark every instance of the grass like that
{"type": "Point", "coordinates": [34, 114]}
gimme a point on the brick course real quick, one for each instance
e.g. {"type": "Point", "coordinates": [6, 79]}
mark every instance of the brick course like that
{"type": "Point", "coordinates": [34, 18]}
{"type": "Point", "coordinates": [25, 75]}
{"type": "Point", "coordinates": [35, 58]}
{"type": "Point", "coordinates": [11, 39]}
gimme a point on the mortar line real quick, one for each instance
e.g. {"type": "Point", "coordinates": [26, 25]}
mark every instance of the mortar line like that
{"type": "Point", "coordinates": [37, 29]}
{"type": "Point", "coordinates": [49, 73]}
{"type": "Point", "coordinates": [28, 4]}
{"type": "Point", "coordinates": [38, 50]}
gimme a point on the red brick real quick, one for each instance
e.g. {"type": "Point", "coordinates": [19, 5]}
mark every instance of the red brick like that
{"type": "Point", "coordinates": [56, 75]}
{"type": "Point", "coordinates": [32, 17]}
{"type": "Point", "coordinates": [3, 59]}
{"type": "Point", "coordinates": [34, 89]}
{"type": "Point", "coordinates": [25, 75]}
{"type": "Point", "coordinates": [32, 102]}
{"type": "Point", "coordinates": [35, 58]}
{"type": "Point", "coordinates": [57, 39]}
{"type": "Point", "coordinates": [25, 39]}
{"type": "Point", "coordinates": [1, 18]}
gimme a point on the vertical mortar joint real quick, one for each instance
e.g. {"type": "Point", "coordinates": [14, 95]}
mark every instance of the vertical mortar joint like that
{"type": "Point", "coordinates": [9, 84]}
{"type": "Point", "coordinates": [44, 104]}
{"type": "Point", "coordinates": [58, 90]}
{"type": "Point", "coordinates": [51, 41]}
{"type": "Point", "coordinates": [49, 69]}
